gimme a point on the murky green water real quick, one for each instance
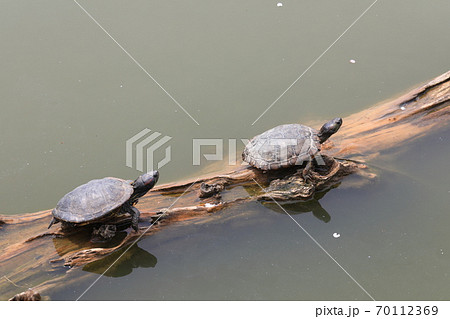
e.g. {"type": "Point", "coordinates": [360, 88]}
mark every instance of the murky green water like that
{"type": "Point", "coordinates": [71, 98]}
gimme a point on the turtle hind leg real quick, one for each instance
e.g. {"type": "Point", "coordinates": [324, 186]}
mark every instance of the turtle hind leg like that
{"type": "Point", "coordinates": [53, 221]}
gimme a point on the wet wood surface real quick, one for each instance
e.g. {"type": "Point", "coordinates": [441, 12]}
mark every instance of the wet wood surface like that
{"type": "Point", "coordinates": [32, 256]}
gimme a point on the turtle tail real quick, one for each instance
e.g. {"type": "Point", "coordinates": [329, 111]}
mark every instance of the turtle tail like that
{"type": "Point", "coordinates": [53, 221]}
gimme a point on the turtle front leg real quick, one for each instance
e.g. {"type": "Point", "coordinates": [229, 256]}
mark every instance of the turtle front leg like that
{"type": "Point", "coordinates": [135, 213]}
{"type": "Point", "coordinates": [306, 173]}
{"type": "Point", "coordinates": [135, 218]}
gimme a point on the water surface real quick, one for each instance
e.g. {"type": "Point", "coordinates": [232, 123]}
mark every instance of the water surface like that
{"type": "Point", "coordinates": [71, 98]}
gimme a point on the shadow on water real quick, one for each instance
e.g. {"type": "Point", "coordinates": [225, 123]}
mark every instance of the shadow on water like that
{"type": "Point", "coordinates": [120, 265]}
{"type": "Point", "coordinates": [295, 207]}
{"type": "Point", "coordinates": [82, 239]}
{"type": "Point", "coordinates": [301, 206]}
{"type": "Point", "coordinates": [134, 257]}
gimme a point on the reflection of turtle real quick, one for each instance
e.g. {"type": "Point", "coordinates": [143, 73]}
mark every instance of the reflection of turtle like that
{"type": "Point", "coordinates": [101, 198]}
{"type": "Point", "coordinates": [288, 145]}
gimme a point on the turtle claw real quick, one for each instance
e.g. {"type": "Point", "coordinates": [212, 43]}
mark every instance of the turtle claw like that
{"type": "Point", "coordinates": [307, 178]}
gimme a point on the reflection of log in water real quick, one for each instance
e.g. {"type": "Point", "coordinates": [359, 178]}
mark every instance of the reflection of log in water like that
{"type": "Point", "coordinates": [32, 256]}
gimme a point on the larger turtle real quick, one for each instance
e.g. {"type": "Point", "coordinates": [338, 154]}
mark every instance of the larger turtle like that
{"type": "Point", "coordinates": [288, 145]}
{"type": "Point", "coordinates": [102, 198]}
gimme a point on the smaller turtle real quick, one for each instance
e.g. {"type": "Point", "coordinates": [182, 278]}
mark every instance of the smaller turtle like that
{"type": "Point", "coordinates": [99, 199]}
{"type": "Point", "coordinates": [288, 145]}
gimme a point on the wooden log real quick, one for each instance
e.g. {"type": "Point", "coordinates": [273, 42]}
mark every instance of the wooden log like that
{"type": "Point", "coordinates": [33, 257]}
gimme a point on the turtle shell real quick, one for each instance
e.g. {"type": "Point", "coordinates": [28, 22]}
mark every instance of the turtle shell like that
{"type": "Point", "coordinates": [93, 200]}
{"type": "Point", "coordinates": [282, 146]}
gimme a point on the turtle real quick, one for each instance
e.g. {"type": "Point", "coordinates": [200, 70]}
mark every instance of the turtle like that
{"type": "Point", "coordinates": [288, 145]}
{"type": "Point", "coordinates": [99, 199]}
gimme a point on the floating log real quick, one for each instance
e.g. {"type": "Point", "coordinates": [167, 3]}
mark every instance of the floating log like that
{"type": "Point", "coordinates": [34, 257]}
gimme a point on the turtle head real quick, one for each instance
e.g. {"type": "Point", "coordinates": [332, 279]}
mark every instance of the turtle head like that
{"type": "Point", "coordinates": [143, 184]}
{"type": "Point", "coordinates": [329, 128]}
